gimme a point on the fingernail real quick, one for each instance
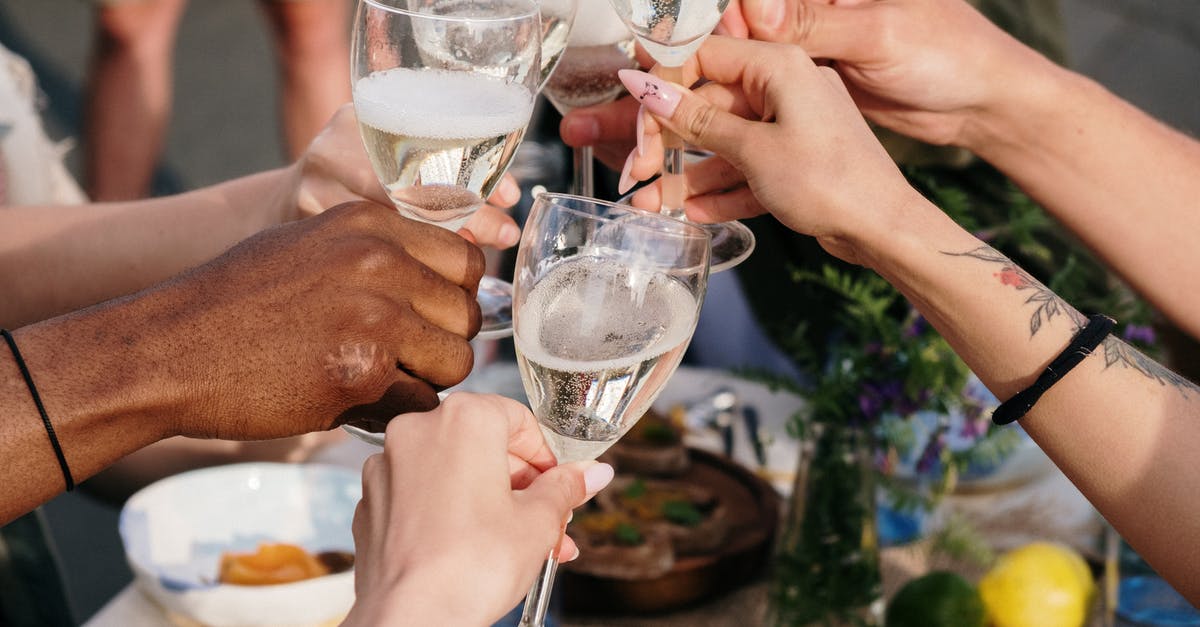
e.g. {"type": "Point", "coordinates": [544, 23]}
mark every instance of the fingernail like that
{"type": "Point", "coordinates": [570, 516]}
{"type": "Point", "coordinates": [597, 476]}
{"type": "Point", "coordinates": [627, 181]}
{"type": "Point", "coordinates": [509, 235]}
{"type": "Point", "coordinates": [658, 96]}
{"type": "Point", "coordinates": [771, 13]}
{"type": "Point", "coordinates": [641, 131]}
{"type": "Point", "coordinates": [574, 555]}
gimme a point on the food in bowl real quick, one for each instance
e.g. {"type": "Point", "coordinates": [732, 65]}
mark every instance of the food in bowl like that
{"type": "Point", "coordinates": [276, 563]}
{"type": "Point", "coordinates": [175, 531]}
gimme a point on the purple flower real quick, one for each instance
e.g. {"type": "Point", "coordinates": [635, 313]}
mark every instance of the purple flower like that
{"type": "Point", "coordinates": [932, 453]}
{"type": "Point", "coordinates": [974, 427]}
{"type": "Point", "coordinates": [918, 326]}
{"type": "Point", "coordinates": [870, 404]}
{"type": "Point", "coordinates": [1143, 334]}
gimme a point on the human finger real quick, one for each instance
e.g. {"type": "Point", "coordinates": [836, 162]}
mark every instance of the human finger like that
{"type": "Point", "coordinates": [442, 251]}
{"type": "Point", "coordinates": [492, 227]}
{"type": "Point", "coordinates": [548, 501]}
{"type": "Point", "coordinates": [693, 118]}
{"type": "Point", "coordinates": [844, 31]}
{"type": "Point", "coordinates": [506, 194]}
{"type": "Point", "coordinates": [525, 440]}
{"type": "Point", "coordinates": [714, 174]}
{"type": "Point", "coordinates": [724, 206]}
{"type": "Point", "coordinates": [611, 123]}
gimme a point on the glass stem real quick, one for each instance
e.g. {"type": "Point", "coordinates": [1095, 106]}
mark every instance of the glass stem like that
{"type": "Point", "coordinates": [584, 183]}
{"type": "Point", "coordinates": [673, 194]}
{"type": "Point", "coordinates": [537, 602]}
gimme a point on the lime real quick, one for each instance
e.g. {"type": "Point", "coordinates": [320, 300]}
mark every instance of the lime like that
{"type": "Point", "coordinates": [939, 599]}
{"type": "Point", "coordinates": [1041, 584]}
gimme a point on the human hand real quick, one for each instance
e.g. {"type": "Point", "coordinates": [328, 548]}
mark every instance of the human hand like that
{"type": "Point", "coordinates": [935, 70]}
{"type": "Point", "coordinates": [459, 512]}
{"type": "Point", "coordinates": [788, 140]}
{"type": "Point", "coordinates": [334, 169]}
{"type": "Point", "coordinates": [353, 315]}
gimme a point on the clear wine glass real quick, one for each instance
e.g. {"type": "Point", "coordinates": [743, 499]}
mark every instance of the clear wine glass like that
{"type": "Point", "coordinates": [600, 46]}
{"type": "Point", "coordinates": [444, 90]}
{"type": "Point", "coordinates": [671, 31]}
{"type": "Point", "coordinates": [558, 19]}
{"type": "Point", "coordinates": [605, 301]}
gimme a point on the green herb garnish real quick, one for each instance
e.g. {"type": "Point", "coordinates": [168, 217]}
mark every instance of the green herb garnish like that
{"type": "Point", "coordinates": [627, 534]}
{"type": "Point", "coordinates": [682, 513]}
{"type": "Point", "coordinates": [635, 490]}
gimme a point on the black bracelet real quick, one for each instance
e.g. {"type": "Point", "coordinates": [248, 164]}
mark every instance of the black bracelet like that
{"type": "Point", "coordinates": [37, 400]}
{"type": "Point", "coordinates": [1082, 345]}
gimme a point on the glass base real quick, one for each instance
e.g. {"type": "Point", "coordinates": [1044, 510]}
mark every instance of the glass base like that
{"type": "Point", "coordinates": [732, 243]}
{"type": "Point", "coordinates": [495, 302]}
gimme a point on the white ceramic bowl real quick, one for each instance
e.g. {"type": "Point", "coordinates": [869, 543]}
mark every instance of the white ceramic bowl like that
{"type": "Point", "coordinates": [176, 529]}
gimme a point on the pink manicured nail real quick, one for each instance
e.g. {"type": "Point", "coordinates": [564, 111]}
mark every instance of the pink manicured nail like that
{"type": "Point", "coordinates": [658, 96]}
{"type": "Point", "coordinates": [641, 131]}
{"type": "Point", "coordinates": [597, 476]}
{"type": "Point", "coordinates": [627, 181]}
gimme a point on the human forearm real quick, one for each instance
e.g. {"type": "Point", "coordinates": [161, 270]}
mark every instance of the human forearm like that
{"type": "Point", "coordinates": [91, 381]}
{"type": "Point", "coordinates": [1123, 182]}
{"type": "Point", "coordinates": [58, 259]}
{"type": "Point", "coordinates": [1120, 426]}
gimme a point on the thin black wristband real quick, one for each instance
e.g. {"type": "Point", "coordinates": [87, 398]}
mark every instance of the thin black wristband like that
{"type": "Point", "coordinates": [37, 400]}
{"type": "Point", "coordinates": [1082, 345]}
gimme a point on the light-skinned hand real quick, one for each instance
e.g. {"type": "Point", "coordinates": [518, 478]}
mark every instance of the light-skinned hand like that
{"type": "Point", "coordinates": [459, 512]}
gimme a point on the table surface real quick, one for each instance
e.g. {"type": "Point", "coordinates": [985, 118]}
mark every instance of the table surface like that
{"type": "Point", "coordinates": [1045, 508]}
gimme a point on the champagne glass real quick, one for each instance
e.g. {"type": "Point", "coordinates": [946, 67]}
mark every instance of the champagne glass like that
{"type": "Point", "coordinates": [444, 90]}
{"type": "Point", "coordinates": [605, 301]}
{"type": "Point", "coordinates": [599, 47]}
{"type": "Point", "coordinates": [671, 31]}
{"type": "Point", "coordinates": [558, 18]}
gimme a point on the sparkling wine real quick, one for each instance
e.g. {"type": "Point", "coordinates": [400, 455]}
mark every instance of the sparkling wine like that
{"type": "Point", "coordinates": [441, 151]}
{"type": "Point", "coordinates": [588, 75]}
{"type": "Point", "coordinates": [596, 341]}
{"type": "Point", "coordinates": [556, 29]}
{"type": "Point", "coordinates": [671, 30]}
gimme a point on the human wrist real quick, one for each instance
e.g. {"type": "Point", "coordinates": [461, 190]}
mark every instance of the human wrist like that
{"type": "Point", "coordinates": [415, 599]}
{"type": "Point", "coordinates": [88, 369]}
{"type": "Point", "coordinates": [1009, 120]}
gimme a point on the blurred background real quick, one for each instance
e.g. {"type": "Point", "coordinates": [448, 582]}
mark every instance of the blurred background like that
{"type": "Point", "coordinates": [225, 124]}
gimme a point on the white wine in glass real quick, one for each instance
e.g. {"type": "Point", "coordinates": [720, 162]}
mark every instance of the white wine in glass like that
{"type": "Point", "coordinates": [444, 90]}
{"type": "Point", "coordinates": [600, 46]}
{"type": "Point", "coordinates": [605, 300]}
{"type": "Point", "coordinates": [558, 19]}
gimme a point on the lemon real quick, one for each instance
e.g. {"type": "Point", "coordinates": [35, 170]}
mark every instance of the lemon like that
{"type": "Point", "coordinates": [939, 599]}
{"type": "Point", "coordinates": [1041, 584]}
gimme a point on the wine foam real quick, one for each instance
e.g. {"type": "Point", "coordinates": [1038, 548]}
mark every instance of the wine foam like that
{"type": "Point", "coordinates": [441, 104]}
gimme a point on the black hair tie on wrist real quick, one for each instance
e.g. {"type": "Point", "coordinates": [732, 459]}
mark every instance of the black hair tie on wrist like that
{"type": "Point", "coordinates": [37, 400]}
{"type": "Point", "coordinates": [1082, 345]}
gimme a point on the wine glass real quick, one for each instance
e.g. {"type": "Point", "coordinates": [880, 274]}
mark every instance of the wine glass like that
{"type": "Point", "coordinates": [605, 301]}
{"type": "Point", "coordinates": [600, 45]}
{"type": "Point", "coordinates": [558, 18]}
{"type": "Point", "coordinates": [444, 90]}
{"type": "Point", "coordinates": [671, 32]}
